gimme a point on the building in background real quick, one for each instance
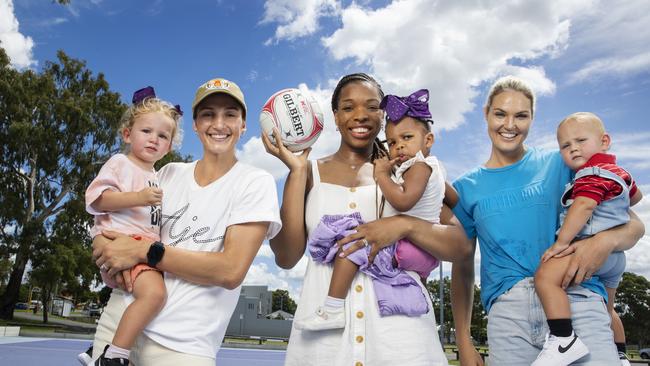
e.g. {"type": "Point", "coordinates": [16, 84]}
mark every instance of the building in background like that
{"type": "Point", "coordinates": [250, 315]}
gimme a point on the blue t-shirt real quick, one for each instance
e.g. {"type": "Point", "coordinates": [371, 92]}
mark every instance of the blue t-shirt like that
{"type": "Point", "coordinates": [514, 213]}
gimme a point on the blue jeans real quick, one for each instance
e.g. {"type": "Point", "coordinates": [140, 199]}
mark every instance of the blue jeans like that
{"type": "Point", "coordinates": [517, 326]}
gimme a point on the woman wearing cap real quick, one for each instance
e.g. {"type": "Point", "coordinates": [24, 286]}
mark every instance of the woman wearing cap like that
{"type": "Point", "coordinates": [511, 205]}
{"type": "Point", "coordinates": [216, 213]}
{"type": "Point", "coordinates": [340, 184]}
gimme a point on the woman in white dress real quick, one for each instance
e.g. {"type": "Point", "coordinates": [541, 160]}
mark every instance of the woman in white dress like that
{"type": "Point", "coordinates": [341, 184]}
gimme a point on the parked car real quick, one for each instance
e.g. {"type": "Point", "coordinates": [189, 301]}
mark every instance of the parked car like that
{"type": "Point", "coordinates": [35, 304]}
{"type": "Point", "coordinates": [93, 310]}
{"type": "Point", "coordinates": [644, 353]}
{"type": "Point", "coordinates": [21, 306]}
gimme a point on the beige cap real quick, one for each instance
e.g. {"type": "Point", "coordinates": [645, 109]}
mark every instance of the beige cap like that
{"type": "Point", "coordinates": [218, 85]}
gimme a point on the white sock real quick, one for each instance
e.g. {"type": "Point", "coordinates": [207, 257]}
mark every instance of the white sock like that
{"type": "Point", "coordinates": [117, 352]}
{"type": "Point", "coordinates": [334, 303]}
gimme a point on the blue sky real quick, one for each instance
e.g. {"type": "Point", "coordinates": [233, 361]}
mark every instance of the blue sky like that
{"type": "Point", "coordinates": [579, 56]}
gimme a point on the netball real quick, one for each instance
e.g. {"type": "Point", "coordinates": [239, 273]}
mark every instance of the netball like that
{"type": "Point", "coordinates": [296, 114]}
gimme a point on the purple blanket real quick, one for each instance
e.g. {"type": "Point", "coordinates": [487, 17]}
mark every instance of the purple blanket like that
{"type": "Point", "coordinates": [396, 291]}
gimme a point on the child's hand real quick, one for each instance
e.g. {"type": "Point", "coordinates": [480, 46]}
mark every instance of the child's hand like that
{"type": "Point", "coordinates": [150, 196]}
{"type": "Point", "coordinates": [383, 167]}
{"type": "Point", "coordinates": [554, 250]}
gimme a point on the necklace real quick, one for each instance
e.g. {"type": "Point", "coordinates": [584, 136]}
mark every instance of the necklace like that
{"type": "Point", "coordinates": [351, 165]}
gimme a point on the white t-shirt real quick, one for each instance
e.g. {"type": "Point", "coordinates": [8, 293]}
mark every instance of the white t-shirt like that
{"type": "Point", "coordinates": [195, 317]}
{"type": "Point", "coordinates": [429, 205]}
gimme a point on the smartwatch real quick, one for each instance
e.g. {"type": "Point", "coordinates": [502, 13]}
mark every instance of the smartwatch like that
{"type": "Point", "coordinates": [155, 253]}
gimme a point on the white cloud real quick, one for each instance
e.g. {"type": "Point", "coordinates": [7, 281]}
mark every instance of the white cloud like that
{"type": "Point", "coordinates": [253, 153]}
{"type": "Point", "coordinates": [259, 274]}
{"type": "Point", "coordinates": [252, 75]}
{"type": "Point", "coordinates": [296, 18]}
{"type": "Point", "coordinates": [639, 256]}
{"type": "Point", "coordinates": [611, 40]}
{"type": "Point", "coordinates": [275, 278]}
{"type": "Point", "coordinates": [297, 272]}
{"type": "Point", "coordinates": [17, 46]}
{"type": "Point", "coordinates": [452, 47]}
{"type": "Point", "coordinates": [619, 66]}
{"type": "Point", "coordinates": [265, 251]}
{"type": "Point", "coordinates": [632, 150]}
{"type": "Point", "coordinates": [534, 75]}
{"type": "Point", "coordinates": [52, 22]}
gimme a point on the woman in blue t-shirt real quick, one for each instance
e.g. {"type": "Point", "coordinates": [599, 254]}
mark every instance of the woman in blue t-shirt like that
{"type": "Point", "coordinates": [511, 204]}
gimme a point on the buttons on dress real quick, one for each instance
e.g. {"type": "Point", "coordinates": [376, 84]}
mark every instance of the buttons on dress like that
{"type": "Point", "coordinates": [358, 288]}
{"type": "Point", "coordinates": [353, 189]}
{"type": "Point", "coordinates": [359, 314]}
{"type": "Point", "coordinates": [352, 205]}
{"type": "Point", "coordinates": [358, 363]}
{"type": "Point", "coordinates": [359, 339]}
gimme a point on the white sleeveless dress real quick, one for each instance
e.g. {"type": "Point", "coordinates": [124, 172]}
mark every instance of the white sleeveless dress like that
{"type": "Point", "coordinates": [368, 339]}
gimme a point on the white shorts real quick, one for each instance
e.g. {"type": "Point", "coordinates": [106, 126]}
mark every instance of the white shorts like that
{"type": "Point", "coordinates": [145, 352]}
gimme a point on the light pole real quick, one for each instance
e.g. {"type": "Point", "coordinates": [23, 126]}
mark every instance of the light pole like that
{"type": "Point", "coordinates": [442, 312]}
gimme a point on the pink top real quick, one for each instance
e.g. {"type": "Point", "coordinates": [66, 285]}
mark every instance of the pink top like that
{"type": "Point", "coordinates": [120, 174]}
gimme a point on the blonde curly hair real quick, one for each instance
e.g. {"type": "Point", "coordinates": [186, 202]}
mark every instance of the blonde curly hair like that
{"type": "Point", "coordinates": [151, 105]}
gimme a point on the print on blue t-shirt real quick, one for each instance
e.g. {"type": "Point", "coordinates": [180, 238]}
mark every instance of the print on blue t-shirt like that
{"type": "Point", "coordinates": [513, 211]}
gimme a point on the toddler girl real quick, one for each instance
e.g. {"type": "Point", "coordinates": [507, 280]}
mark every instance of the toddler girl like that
{"type": "Point", "coordinates": [125, 197]}
{"type": "Point", "coordinates": [417, 189]}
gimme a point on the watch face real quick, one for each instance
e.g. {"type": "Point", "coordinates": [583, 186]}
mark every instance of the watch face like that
{"type": "Point", "coordinates": [155, 253]}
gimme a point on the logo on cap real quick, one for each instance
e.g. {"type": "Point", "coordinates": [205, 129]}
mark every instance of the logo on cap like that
{"type": "Point", "coordinates": [217, 84]}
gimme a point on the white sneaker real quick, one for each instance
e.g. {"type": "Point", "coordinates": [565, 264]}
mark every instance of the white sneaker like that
{"type": "Point", "coordinates": [324, 318]}
{"type": "Point", "coordinates": [561, 351]}
{"type": "Point", "coordinates": [85, 358]}
{"type": "Point", "coordinates": [624, 360]}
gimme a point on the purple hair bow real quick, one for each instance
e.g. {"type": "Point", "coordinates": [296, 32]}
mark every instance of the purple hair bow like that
{"type": "Point", "coordinates": [415, 105]}
{"type": "Point", "coordinates": [142, 94]}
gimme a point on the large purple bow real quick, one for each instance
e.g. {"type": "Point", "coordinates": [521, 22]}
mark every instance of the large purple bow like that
{"type": "Point", "coordinates": [415, 105]}
{"type": "Point", "coordinates": [147, 92]}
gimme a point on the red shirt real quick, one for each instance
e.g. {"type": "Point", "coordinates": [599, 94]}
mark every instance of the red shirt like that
{"type": "Point", "coordinates": [598, 188]}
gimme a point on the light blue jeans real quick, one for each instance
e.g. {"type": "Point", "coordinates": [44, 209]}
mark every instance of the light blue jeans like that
{"type": "Point", "coordinates": [517, 326]}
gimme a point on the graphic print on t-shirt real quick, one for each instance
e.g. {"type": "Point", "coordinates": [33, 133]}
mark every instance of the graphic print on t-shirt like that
{"type": "Point", "coordinates": [178, 234]}
{"type": "Point", "coordinates": [156, 211]}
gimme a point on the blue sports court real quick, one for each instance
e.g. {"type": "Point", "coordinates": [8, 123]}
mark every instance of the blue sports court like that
{"type": "Point", "coordinates": [63, 352]}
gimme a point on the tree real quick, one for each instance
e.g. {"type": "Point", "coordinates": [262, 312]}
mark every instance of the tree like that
{"type": "Point", "coordinates": [434, 290]}
{"type": "Point", "coordinates": [56, 129]}
{"type": "Point", "coordinates": [282, 301]}
{"type": "Point", "coordinates": [63, 260]}
{"type": "Point", "coordinates": [103, 295]}
{"type": "Point", "coordinates": [633, 306]}
{"type": "Point", "coordinates": [5, 269]}
{"type": "Point", "coordinates": [478, 329]}
{"type": "Point", "coordinates": [172, 156]}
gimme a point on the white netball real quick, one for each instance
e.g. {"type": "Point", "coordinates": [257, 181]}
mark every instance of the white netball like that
{"type": "Point", "coordinates": [297, 116]}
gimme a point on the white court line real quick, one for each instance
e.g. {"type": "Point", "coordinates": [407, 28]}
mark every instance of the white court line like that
{"type": "Point", "coordinates": [253, 349]}
{"type": "Point", "coordinates": [9, 340]}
